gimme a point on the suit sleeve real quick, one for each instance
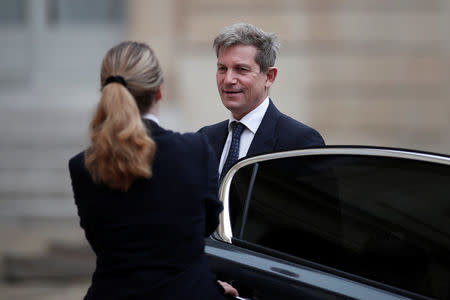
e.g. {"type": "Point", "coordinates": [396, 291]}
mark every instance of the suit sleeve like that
{"type": "Point", "coordinates": [213, 206]}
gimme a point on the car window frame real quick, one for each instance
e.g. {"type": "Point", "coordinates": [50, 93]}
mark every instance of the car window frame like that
{"type": "Point", "coordinates": [224, 231]}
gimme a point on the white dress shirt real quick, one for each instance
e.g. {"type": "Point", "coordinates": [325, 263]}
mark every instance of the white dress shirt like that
{"type": "Point", "coordinates": [252, 120]}
{"type": "Point", "coordinates": [152, 117]}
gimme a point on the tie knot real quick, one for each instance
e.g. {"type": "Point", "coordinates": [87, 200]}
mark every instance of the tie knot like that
{"type": "Point", "coordinates": [237, 128]}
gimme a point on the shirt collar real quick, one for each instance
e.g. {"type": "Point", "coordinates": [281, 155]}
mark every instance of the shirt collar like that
{"type": "Point", "coordinates": [253, 119]}
{"type": "Point", "coordinates": [151, 117]}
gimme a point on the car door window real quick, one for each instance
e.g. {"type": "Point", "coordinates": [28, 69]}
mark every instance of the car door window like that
{"type": "Point", "coordinates": [386, 219]}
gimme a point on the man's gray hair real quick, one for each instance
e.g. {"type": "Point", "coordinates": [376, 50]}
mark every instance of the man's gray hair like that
{"type": "Point", "coordinates": [266, 43]}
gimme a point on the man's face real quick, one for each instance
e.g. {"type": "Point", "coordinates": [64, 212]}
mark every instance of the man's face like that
{"type": "Point", "coordinates": [241, 85]}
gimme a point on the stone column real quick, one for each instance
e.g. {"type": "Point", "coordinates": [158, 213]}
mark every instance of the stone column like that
{"type": "Point", "coordinates": [35, 15]}
{"type": "Point", "coordinates": [153, 22]}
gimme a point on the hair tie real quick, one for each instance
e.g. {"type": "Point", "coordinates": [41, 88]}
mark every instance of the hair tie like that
{"type": "Point", "coordinates": [118, 79]}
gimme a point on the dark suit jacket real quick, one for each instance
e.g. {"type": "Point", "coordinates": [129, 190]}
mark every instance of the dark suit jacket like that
{"type": "Point", "coordinates": [276, 132]}
{"type": "Point", "coordinates": [149, 241]}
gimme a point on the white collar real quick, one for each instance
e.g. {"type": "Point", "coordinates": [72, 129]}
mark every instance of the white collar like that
{"type": "Point", "coordinates": [151, 117]}
{"type": "Point", "coordinates": [253, 119]}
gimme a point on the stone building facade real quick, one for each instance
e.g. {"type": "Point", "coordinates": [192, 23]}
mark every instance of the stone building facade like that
{"type": "Point", "coordinates": [372, 72]}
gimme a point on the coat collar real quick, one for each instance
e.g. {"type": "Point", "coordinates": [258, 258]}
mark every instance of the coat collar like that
{"type": "Point", "coordinates": [153, 128]}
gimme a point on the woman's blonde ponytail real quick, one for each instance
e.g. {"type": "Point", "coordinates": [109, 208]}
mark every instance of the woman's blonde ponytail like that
{"type": "Point", "coordinates": [121, 149]}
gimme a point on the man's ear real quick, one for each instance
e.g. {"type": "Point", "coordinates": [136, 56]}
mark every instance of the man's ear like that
{"type": "Point", "coordinates": [158, 94]}
{"type": "Point", "coordinates": [271, 75]}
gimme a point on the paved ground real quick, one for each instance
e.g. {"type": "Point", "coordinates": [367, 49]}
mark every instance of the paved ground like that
{"type": "Point", "coordinates": [41, 291]}
{"type": "Point", "coordinates": [43, 259]}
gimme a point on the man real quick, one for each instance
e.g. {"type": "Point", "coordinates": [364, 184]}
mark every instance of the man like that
{"type": "Point", "coordinates": [245, 72]}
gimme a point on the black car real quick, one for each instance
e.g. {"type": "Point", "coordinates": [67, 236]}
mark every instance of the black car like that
{"type": "Point", "coordinates": [336, 222]}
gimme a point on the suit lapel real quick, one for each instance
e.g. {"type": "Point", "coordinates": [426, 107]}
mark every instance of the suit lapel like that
{"type": "Point", "coordinates": [218, 137]}
{"type": "Point", "coordinates": [265, 137]}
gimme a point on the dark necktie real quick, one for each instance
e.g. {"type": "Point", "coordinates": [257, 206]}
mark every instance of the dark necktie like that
{"type": "Point", "coordinates": [233, 153]}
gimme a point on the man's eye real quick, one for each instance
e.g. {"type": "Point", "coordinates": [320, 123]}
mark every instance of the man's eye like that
{"type": "Point", "coordinates": [221, 69]}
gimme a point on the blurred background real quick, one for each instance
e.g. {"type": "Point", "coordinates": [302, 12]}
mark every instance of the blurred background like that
{"type": "Point", "coordinates": [365, 72]}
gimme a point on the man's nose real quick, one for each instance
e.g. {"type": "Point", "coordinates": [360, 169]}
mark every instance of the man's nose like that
{"type": "Point", "coordinates": [230, 77]}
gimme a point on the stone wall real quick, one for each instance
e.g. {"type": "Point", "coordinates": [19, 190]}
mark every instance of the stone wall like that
{"type": "Point", "coordinates": [374, 72]}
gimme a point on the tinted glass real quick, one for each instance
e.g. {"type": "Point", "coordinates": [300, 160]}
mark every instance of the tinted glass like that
{"type": "Point", "coordinates": [382, 218]}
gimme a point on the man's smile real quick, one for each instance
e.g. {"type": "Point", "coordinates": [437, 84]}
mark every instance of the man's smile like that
{"type": "Point", "coordinates": [232, 91]}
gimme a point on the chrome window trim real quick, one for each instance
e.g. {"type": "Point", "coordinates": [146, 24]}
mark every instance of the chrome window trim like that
{"type": "Point", "coordinates": [224, 231]}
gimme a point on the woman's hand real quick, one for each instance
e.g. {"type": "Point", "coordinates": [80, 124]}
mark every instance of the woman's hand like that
{"type": "Point", "coordinates": [229, 289]}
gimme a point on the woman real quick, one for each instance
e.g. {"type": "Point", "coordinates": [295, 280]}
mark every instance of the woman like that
{"type": "Point", "coordinates": [146, 196]}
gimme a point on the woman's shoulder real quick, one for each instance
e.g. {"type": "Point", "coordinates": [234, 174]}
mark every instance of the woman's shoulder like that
{"type": "Point", "coordinates": [76, 160]}
{"type": "Point", "coordinates": [76, 164]}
